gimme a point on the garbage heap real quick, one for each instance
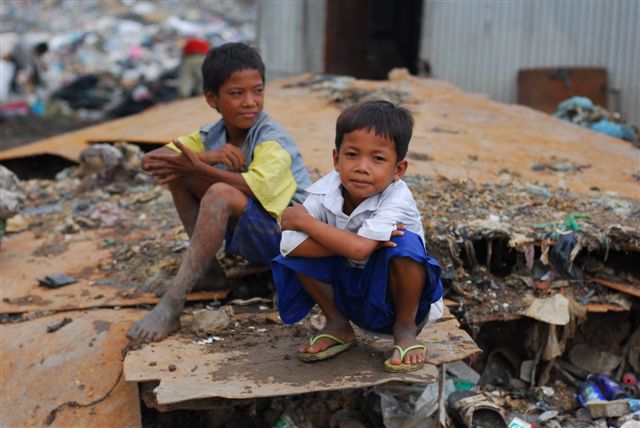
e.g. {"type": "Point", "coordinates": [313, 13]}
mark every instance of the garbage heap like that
{"type": "Point", "coordinates": [110, 59]}
{"type": "Point", "coordinates": [546, 281]}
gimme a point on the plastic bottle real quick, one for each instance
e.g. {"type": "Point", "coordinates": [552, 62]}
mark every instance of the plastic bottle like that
{"type": "Point", "coordinates": [610, 389]}
{"type": "Point", "coordinates": [589, 391]}
{"type": "Point", "coordinates": [285, 421]}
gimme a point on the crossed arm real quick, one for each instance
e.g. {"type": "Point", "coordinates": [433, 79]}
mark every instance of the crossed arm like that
{"type": "Point", "coordinates": [326, 240]}
{"type": "Point", "coordinates": [167, 165]}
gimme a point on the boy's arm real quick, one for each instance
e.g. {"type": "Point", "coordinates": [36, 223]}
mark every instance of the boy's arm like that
{"type": "Point", "coordinates": [189, 163]}
{"type": "Point", "coordinates": [229, 155]}
{"type": "Point", "coordinates": [311, 249]}
{"type": "Point", "coordinates": [325, 237]}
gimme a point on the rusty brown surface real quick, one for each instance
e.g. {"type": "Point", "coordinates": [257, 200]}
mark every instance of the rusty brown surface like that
{"type": "Point", "coordinates": [139, 128]}
{"type": "Point", "coordinates": [544, 88]}
{"type": "Point", "coordinates": [264, 363]}
{"type": "Point", "coordinates": [20, 269]}
{"type": "Point", "coordinates": [71, 377]}
{"type": "Point", "coordinates": [466, 135]}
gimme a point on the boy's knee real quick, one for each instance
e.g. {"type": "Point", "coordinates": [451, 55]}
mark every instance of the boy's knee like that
{"type": "Point", "coordinates": [224, 195]}
{"type": "Point", "coordinates": [217, 192]}
{"type": "Point", "coordinates": [400, 263]}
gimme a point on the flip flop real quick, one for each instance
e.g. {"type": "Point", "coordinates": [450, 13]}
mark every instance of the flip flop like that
{"type": "Point", "coordinates": [331, 351]}
{"type": "Point", "coordinates": [402, 367]}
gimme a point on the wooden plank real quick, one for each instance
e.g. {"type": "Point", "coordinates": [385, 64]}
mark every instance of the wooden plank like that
{"type": "Point", "coordinates": [604, 307]}
{"type": "Point", "coordinates": [252, 364]}
{"type": "Point", "coordinates": [624, 288]}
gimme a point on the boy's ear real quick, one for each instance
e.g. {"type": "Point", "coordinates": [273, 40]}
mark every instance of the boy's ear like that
{"type": "Point", "coordinates": [212, 99]}
{"type": "Point", "coordinates": [335, 160]}
{"type": "Point", "coordinates": [401, 168]}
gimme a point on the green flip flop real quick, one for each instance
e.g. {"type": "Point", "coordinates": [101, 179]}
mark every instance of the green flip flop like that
{"type": "Point", "coordinates": [331, 351]}
{"type": "Point", "coordinates": [402, 367]}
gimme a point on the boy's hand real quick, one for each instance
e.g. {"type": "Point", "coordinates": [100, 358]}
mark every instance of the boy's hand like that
{"type": "Point", "coordinates": [171, 166]}
{"type": "Point", "coordinates": [229, 155]}
{"type": "Point", "coordinates": [397, 232]}
{"type": "Point", "coordinates": [293, 217]}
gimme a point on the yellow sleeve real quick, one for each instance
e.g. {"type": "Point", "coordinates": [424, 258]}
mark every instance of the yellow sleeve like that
{"type": "Point", "coordinates": [191, 141]}
{"type": "Point", "coordinates": [270, 179]}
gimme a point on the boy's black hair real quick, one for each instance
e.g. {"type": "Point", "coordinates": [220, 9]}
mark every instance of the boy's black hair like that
{"type": "Point", "coordinates": [41, 48]}
{"type": "Point", "coordinates": [226, 59]}
{"type": "Point", "coordinates": [385, 118]}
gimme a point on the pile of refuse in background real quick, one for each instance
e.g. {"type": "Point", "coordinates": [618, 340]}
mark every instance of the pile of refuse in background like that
{"type": "Point", "coordinates": [104, 59]}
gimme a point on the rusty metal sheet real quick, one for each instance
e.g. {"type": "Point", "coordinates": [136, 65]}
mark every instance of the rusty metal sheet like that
{"type": "Point", "coordinates": [467, 136]}
{"type": "Point", "coordinates": [71, 377]}
{"type": "Point", "coordinates": [140, 128]}
{"type": "Point", "coordinates": [265, 364]}
{"type": "Point", "coordinates": [544, 88]}
{"type": "Point", "coordinates": [20, 269]}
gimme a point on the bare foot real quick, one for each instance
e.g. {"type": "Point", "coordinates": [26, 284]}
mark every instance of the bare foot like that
{"type": "Point", "coordinates": [405, 336]}
{"type": "Point", "coordinates": [163, 320]}
{"type": "Point", "coordinates": [338, 328]}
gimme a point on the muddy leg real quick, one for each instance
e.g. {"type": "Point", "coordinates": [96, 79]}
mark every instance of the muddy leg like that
{"type": "Point", "coordinates": [406, 281]}
{"type": "Point", "coordinates": [187, 193]}
{"type": "Point", "coordinates": [220, 203]}
{"type": "Point", "coordinates": [337, 324]}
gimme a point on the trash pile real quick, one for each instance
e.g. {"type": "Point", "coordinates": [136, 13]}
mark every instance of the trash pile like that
{"type": "Point", "coordinates": [582, 111]}
{"type": "Point", "coordinates": [341, 91]}
{"type": "Point", "coordinates": [107, 59]}
{"type": "Point", "coordinates": [546, 281]}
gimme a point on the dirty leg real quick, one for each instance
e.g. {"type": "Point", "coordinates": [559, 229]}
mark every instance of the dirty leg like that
{"type": "Point", "coordinates": [187, 193]}
{"type": "Point", "coordinates": [219, 203]}
{"type": "Point", "coordinates": [337, 325]}
{"type": "Point", "coordinates": [406, 281]}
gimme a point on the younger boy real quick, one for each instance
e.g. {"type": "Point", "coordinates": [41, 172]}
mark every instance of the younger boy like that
{"type": "Point", "coordinates": [230, 180]}
{"type": "Point", "coordinates": [356, 246]}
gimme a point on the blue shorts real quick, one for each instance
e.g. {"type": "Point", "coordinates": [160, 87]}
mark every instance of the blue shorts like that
{"type": "Point", "coordinates": [359, 294]}
{"type": "Point", "coordinates": [256, 236]}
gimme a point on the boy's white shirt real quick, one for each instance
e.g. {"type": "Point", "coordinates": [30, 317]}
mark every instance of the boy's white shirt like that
{"type": "Point", "coordinates": [375, 218]}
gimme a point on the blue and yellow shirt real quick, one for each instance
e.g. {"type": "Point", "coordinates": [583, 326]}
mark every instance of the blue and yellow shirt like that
{"type": "Point", "coordinates": [275, 174]}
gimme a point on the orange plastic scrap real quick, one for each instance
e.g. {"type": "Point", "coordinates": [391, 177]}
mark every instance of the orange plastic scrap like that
{"type": "Point", "coordinates": [624, 288]}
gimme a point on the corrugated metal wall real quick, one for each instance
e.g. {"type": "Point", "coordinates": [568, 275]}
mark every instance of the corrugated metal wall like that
{"type": "Point", "coordinates": [291, 36]}
{"type": "Point", "coordinates": [480, 45]}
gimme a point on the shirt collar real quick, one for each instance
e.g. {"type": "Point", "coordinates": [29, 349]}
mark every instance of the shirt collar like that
{"type": "Point", "coordinates": [331, 188]}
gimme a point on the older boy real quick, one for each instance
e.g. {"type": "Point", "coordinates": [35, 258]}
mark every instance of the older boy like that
{"type": "Point", "coordinates": [343, 250]}
{"type": "Point", "coordinates": [229, 180]}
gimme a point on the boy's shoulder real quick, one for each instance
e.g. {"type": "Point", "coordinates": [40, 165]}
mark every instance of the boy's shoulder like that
{"type": "Point", "coordinates": [398, 193]}
{"type": "Point", "coordinates": [212, 129]}
{"type": "Point", "coordinates": [267, 128]}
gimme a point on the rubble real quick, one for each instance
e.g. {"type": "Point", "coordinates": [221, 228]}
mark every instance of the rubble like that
{"type": "Point", "coordinates": [542, 278]}
{"type": "Point", "coordinates": [480, 233]}
{"type": "Point", "coordinates": [106, 59]}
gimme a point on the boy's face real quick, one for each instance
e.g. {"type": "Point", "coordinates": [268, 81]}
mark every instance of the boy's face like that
{"type": "Point", "coordinates": [239, 100]}
{"type": "Point", "coordinates": [367, 164]}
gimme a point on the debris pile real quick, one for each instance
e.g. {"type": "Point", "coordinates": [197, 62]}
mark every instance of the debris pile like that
{"type": "Point", "coordinates": [582, 111]}
{"type": "Point", "coordinates": [541, 257]}
{"type": "Point", "coordinates": [106, 59]}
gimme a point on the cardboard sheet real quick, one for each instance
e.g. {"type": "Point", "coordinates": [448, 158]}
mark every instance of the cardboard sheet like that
{"type": "Point", "coordinates": [265, 364]}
